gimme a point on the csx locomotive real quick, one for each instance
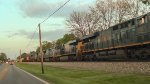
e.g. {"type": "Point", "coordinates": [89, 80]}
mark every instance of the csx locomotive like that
{"type": "Point", "coordinates": [126, 40]}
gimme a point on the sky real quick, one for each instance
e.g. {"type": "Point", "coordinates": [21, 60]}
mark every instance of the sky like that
{"type": "Point", "coordinates": [19, 20]}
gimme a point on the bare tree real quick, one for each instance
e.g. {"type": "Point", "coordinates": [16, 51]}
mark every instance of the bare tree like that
{"type": "Point", "coordinates": [76, 23]}
{"type": "Point", "coordinates": [105, 11]}
{"type": "Point", "coordinates": [146, 2]}
{"type": "Point", "coordinates": [112, 12]}
{"type": "Point", "coordinates": [82, 23]}
{"type": "Point", "coordinates": [103, 15]}
{"type": "Point", "coordinates": [121, 10]}
{"type": "Point", "coordinates": [137, 7]}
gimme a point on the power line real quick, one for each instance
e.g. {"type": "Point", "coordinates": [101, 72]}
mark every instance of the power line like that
{"type": "Point", "coordinates": [41, 50]}
{"type": "Point", "coordinates": [44, 21]}
{"type": "Point", "coordinates": [55, 11]}
{"type": "Point", "coordinates": [33, 35]}
{"type": "Point", "coordinates": [29, 43]}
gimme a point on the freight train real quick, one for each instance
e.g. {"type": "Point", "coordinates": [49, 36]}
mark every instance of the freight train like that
{"type": "Point", "coordinates": [126, 40]}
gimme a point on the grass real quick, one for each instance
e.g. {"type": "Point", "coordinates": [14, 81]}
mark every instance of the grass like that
{"type": "Point", "coordinates": [57, 75]}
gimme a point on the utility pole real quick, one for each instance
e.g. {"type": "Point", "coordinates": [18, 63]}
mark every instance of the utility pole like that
{"type": "Point", "coordinates": [20, 56]}
{"type": "Point", "coordinates": [41, 50]}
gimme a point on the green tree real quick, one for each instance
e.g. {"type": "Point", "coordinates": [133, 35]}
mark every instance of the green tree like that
{"type": "Point", "coordinates": [23, 55]}
{"type": "Point", "coordinates": [45, 45]}
{"type": "Point", "coordinates": [65, 39]}
{"type": "Point", "coordinates": [3, 57]}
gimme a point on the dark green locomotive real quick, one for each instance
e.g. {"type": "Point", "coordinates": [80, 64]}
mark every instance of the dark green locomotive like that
{"type": "Point", "coordinates": [127, 40]}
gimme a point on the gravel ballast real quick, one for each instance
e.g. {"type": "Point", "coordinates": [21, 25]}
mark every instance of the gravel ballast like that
{"type": "Point", "coordinates": [121, 67]}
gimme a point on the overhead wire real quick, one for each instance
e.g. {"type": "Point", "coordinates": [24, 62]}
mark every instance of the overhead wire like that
{"type": "Point", "coordinates": [54, 12]}
{"type": "Point", "coordinates": [28, 44]}
{"type": "Point", "coordinates": [33, 35]}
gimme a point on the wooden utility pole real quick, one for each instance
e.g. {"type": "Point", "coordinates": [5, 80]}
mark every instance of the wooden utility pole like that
{"type": "Point", "coordinates": [41, 50]}
{"type": "Point", "coordinates": [20, 56]}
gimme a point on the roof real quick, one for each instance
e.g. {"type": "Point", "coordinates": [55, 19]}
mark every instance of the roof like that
{"type": "Point", "coordinates": [89, 37]}
{"type": "Point", "coordinates": [130, 19]}
{"type": "Point", "coordinates": [73, 42]}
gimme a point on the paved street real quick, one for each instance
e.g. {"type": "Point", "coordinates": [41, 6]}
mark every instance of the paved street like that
{"type": "Point", "coordinates": [10, 74]}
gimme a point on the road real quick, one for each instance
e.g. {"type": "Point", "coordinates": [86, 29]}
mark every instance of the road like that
{"type": "Point", "coordinates": [10, 74]}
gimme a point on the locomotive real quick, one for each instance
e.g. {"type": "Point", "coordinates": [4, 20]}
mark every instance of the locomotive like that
{"type": "Point", "coordinates": [126, 40]}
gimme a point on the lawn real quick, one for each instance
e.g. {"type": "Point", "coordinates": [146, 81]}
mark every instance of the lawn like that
{"type": "Point", "coordinates": [57, 75]}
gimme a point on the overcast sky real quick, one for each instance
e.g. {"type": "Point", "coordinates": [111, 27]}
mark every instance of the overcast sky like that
{"type": "Point", "coordinates": [19, 19]}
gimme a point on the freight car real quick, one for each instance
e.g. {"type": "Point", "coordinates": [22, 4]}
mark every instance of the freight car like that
{"type": "Point", "coordinates": [126, 40]}
{"type": "Point", "coordinates": [67, 52]}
